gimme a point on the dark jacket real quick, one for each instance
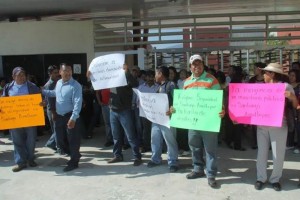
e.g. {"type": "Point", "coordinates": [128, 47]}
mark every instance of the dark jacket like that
{"type": "Point", "coordinates": [32, 88]}
{"type": "Point", "coordinates": [121, 97]}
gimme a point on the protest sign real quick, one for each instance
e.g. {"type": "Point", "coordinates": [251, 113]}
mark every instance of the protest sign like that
{"type": "Point", "coordinates": [257, 104]}
{"type": "Point", "coordinates": [107, 71]}
{"type": "Point", "coordinates": [21, 111]}
{"type": "Point", "coordinates": [154, 106]}
{"type": "Point", "coordinates": [197, 109]}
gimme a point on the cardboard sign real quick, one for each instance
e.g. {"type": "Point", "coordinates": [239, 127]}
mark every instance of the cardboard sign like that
{"type": "Point", "coordinates": [21, 111]}
{"type": "Point", "coordinates": [107, 71]}
{"type": "Point", "coordinates": [257, 104]}
{"type": "Point", "coordinates": [197, 109]}
{"type": "Point", "coordinates": [154, 106]}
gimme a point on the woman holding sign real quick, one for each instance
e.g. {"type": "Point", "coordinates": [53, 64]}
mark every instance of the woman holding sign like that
{"type": "Point", "coordinates": [276, 135]}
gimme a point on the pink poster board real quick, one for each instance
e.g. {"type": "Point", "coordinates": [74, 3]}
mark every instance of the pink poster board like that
{"type": "Point", "coordinates": [257, 104]}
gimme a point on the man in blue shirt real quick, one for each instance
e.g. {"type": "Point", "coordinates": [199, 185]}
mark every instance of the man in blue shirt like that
{"type": "Point", "coordinates": [68, 93]}
{"type": "Point", "coordinates": [23, 138]}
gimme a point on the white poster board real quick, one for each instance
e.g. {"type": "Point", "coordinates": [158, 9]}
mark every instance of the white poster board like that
{"type": "Point", "coordinates": [107, 71]}
{"type": "Point", "coordinates": [154, 106]}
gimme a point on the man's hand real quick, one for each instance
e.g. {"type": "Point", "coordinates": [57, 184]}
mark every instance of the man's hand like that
{"type": "Point", "coordinates": [125, 67]}
{"type": "Point", "coordinates": [53, 116]}
{"type": "Point", "coordinates": [71, 124]}
{"type": "Point", "coordinates": [222, 113]}
{"type": "Point", "coordinates": [88, 74]}
{"type": "Point", "coordinates": [170, 111]}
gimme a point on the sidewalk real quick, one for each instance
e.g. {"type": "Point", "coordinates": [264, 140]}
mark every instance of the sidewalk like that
{"type": "Point", "coordinates": [97, 180]}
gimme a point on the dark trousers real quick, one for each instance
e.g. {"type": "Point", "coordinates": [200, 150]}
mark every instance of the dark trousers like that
{"type": "Point", "coordinates": [146, 133]}
{"type": "Point", "coordinates": [68, 139]}
{"type": "Point", "coordinates": [233, 133]}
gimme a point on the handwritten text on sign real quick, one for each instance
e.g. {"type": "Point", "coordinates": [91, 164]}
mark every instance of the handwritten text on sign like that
{"type": "Point", "coordinates": [154, 106]}
{"type": "Point", "coordinates": [197, 109]}
{"type": "Point", "coordinates": [107, 71]}
{"type": "Point", "coordinates": [257, 104]}
{"type": "Point", "coordinates": [21, 111]}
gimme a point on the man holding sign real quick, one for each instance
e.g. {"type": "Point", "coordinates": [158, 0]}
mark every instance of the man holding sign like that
{"type": "Point", "coordinates": [202, 140]}
{"type": "Point", "coordinates": [23, 138]}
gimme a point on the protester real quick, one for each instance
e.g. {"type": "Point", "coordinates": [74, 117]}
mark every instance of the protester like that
{"type": "Point", "coordinates": [202, 140]}
{"type": "Point", "coordinates": [68, 93]}
{"type": "Point", "coordinates": [23, 138]}
{"type": "Point", "coordinates": [277, 136]}
{"type": "Point", "coordinates": [50, 108]}
{"type": "Point", "coordinates": [160, 132]}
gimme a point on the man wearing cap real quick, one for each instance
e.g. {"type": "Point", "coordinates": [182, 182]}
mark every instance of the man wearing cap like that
{"type": "Point", "coordinates": [202, 140]}
{"type": "Point", "coordinates": [68, 93]}
{"type": "Point", "coordinates": [23, 138]}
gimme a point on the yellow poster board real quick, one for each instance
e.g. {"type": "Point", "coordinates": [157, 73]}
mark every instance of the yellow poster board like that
{"type": "Point", "coordinates": [21, 111]}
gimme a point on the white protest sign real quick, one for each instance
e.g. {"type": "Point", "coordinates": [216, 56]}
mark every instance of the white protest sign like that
{"type": "Point", "coordinates": [154, 106]}
{"type": "Point", "coordinates": [107, 71]}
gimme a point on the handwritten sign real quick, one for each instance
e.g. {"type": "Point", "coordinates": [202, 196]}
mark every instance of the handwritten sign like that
{"type": "Point", "coordinates": [257, 104]}
{"type": "Point", "coordinates": [21, 111]}
{"type": "Point", "coordinates": [197, 109]}
{"type": "Point", "coordinates": [107, 71]}
{"type": "Point", "coordinates": [154, 106]}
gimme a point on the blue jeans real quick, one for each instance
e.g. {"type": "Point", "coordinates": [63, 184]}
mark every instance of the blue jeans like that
{"type": "Point", "coordinates": [68, 139]}
{"type": "Point", "coordinates": [123, 119]}
{"type": "Point", "coordinates": [106, 119]}
{"type": "Point", "coordinates": [158, 133]}
{"type": "Point", "coordinates": [203, 140]}
{"type": "Point", "coordinates": [52, 140]}
{"type": "Point", "coordinates": [24, 144]}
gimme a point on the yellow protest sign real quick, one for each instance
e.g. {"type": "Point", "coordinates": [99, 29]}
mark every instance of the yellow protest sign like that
{"type": "Point", "coordinates": [21, 111]}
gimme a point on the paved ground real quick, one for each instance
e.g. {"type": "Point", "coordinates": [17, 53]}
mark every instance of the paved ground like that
{"type": "Point", "coordinates": [95, 179]}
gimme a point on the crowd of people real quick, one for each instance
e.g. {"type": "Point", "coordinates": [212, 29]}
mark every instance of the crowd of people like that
{"type": "Point", "coordinates": [73, 111]}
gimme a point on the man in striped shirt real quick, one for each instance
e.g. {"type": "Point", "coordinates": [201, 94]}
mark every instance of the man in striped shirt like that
{"type": "Point", "coordinates": [202, 140]}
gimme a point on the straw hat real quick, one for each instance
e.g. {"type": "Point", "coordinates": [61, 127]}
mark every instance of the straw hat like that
{"type": "Point", "coordinates": [274, 67]}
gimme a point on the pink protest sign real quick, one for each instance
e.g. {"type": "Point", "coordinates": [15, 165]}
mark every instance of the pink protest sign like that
{"type": "Point", "coordinates": [257, 104]}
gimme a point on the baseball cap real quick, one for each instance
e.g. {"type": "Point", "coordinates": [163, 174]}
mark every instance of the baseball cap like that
{"type": "Point", "coordinates": [17, 70]}
{"type": "Point", "coordinates": [195, 57]}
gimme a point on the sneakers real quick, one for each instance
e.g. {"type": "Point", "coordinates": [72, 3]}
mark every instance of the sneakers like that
{"type": "Point", "coordinates": [18, 168]}
{"type": "Point", "coordinates": [276, 186]}
{"type": "Point", "coordinates": [194, 175]}
{"type": "Point", "coordinates": [212, 182]}
{"type": "Point", "coordinates": [173, 169]}
{"type": "Point", "coordinates": [258, 185]}
{"type": "Point", "coordinates": [115, 160]}
{"type": "Point", "coordinates": [296, 151]}
{"type": "Point", "coordinates": [70, 168]}
{"type": "Point", "coordinates": [137, 162]}
{"type": "Point", "coordinates": [151, 164]}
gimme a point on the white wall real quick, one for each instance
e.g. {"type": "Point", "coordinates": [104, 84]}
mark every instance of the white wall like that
{"type": "Point", "coordinates": [47, 37]}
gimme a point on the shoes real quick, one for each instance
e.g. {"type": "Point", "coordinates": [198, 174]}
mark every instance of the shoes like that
{"type": "Point", "coordinates": [151, 164]}
{"type": "Point", "coordinates": [115, 160]}
{"type": "Point", "coordinates": [137, 162]}
{"type": "Point", "coordinates": [239, 148]}
{"type": "Point", "coordinates": [70, 168]}
{"type": "Point", "coordinates": [276, 186]}
{"type": "Point", "coordinates": [125, 147]}
{"type": "Point", "coordinates": [296, 151]}
{"type": "Point", "coordinates": [258, 185]}
{"type": "Point", "coordinates": [18, 168]}
{"type": "Point", "coordinates": [108, 144]}
{"type": "Point", "coordinates": [212, 182]}
{"type": "Point", "coordinates": [173, 169]}
{"type": "Point", "coordinates": [194, 175]}
{"type": "Point", "coordinates": [32, 163]}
